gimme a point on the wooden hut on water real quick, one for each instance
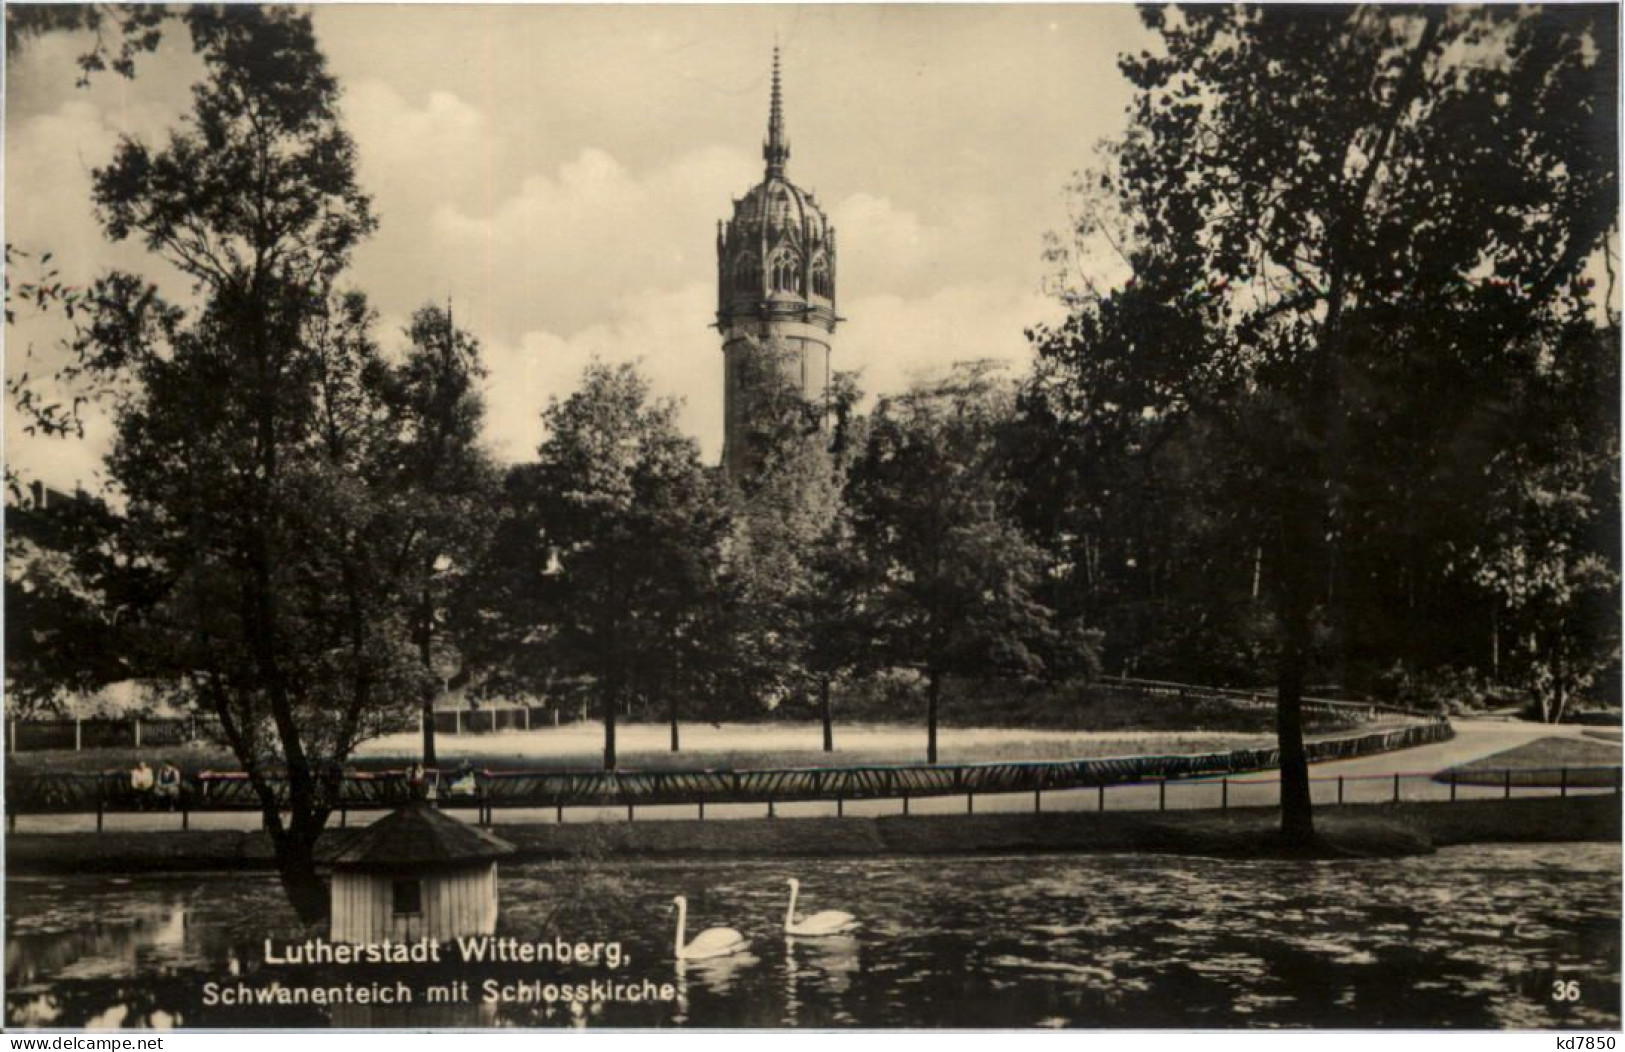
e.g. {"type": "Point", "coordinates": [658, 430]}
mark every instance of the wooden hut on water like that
{"type": "Point", "coordinates": [416, 873]}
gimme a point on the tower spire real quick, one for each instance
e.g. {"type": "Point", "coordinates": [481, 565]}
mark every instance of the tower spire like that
{"type": "Point", "coordinates": [777, 148]}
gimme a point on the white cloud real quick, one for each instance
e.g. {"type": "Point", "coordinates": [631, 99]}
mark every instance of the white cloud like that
{"type": "Point", "coordinates": [890, 340]}
{"type": "Point", "coordinates": [443, 150]}
{"type": "Point", "coordinates": [664, 332]}
{"type": "Point", "coordinates": [568, 245]}
{"type": "Point", "coordinates": [894, 340]}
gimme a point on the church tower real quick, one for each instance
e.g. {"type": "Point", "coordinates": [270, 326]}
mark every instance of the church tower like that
{"type": "Point", "coordinates": [775, 292]}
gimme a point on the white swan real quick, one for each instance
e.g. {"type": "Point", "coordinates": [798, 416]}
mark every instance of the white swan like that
{"type": "Point", "coordinates": [712, 942]}
{"type": "Point", "coordinates": [824, 922]}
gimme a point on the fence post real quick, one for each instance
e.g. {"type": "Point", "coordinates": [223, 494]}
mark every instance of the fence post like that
{"type": "Point", "coordinates": [631, 818]}
{"type": "Point", "coordinates": [457, 721]}
{"type": "Point", "coordinates": [138, 732]}
{"type": "Point", "coordinates": [1506, 777]}
{"type": "Point", "coordinates": [527, 717]}
{"type": "Point", "coordinates": [344, 816]}
{"type": "Point", "coordinates": [1452, 786]}
{"type": "Point", "coordinates": [1162, 794]}
{"type": "Point", "coordinates": [970, 803]}
{"type": "Point", "coordinates": [702, 810]}
{"type": "Point", "coordinates": [186, 815]}
{"type": "Point", "coordinates": [78, 734]}
{"type": "Point", "coordinates": [1224, 794]}
{"type": "Point", "coordinates": [1396, 787]}
{"type": "Point", "coordinates": [840, 806]}
{"type": "Point", "coordinates": [772, 814]}
{"type": "Point", "coordinates": [559, 810]}
{"type": "Point", "coordinates": [1100, 792]}
{"type": "Point", "coordinates": [905, 803]}
{"type": "Point", "coordinates": [1339, 788]}
{"type": "Point", "coordinates": [1563, 783]}
{"type": "Point", "coordinates": [1038, 799]}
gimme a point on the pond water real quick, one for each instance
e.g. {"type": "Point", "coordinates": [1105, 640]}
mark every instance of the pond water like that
{"type": "Point", "coordinates": [1469, 937]}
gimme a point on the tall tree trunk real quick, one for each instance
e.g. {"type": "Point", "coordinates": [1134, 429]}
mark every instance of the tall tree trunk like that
{"type": "Point", "coordinates": [296, 866]}
{"type": "Point", "coordinates": [610, 701]}
{"type": "Point", "coordinates": [1495, 642]}
{"type": "Point", "coordinates": [1295, 608]}
{"type": "Point", "coordinates": [1297, 812]}
{"type": "Point", "coordinates": [426, 655]}
{"type": "Point", "coordinates": [428, 731]}
{"type": "Point", "coordinates": [829, 727]}
{"type": "Point", "coordinates": [933, 698]}
{"type": "Point", "coordinates": [1559, 678]}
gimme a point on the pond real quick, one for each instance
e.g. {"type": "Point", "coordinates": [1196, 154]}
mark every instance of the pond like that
{"type": "Point", "coordinates": [1469, 937]}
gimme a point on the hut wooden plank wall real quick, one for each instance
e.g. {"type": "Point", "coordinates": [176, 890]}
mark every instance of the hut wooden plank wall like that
{"type": "Point", "coordinates": [462, 901]}
{"type": "Point", "coordinates": [415, 874]}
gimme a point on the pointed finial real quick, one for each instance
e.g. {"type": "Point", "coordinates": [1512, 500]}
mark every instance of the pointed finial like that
{"type": "Point", "coordinates": [777, 148]}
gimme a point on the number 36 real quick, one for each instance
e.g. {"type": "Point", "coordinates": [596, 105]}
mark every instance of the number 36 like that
{"type": "Point", "coordinates": [1565, 989]}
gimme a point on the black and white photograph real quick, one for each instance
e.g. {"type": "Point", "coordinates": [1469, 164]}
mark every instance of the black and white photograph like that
{"type": "Point", "coordinates": [989, 517]}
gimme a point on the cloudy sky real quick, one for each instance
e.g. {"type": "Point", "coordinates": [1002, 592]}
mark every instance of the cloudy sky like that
{"type": "Point", "coordinates": [558, 173]}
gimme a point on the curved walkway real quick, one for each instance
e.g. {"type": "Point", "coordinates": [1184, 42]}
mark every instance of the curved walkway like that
{"type": "Point", "coordinates": [1368, 779]}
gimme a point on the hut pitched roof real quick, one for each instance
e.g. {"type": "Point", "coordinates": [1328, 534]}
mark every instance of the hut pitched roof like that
{"type": "Point", "coordinates": [417, 835]}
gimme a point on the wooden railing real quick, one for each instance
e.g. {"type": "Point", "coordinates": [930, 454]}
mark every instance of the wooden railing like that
{"type": "Point", "coordinates": [36, 793]}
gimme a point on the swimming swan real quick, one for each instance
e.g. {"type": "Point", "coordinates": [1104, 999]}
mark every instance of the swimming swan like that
{"type": "Point", "coordinates": [712, 942]}
{"type": "Point", "coordinates": [825, 922]}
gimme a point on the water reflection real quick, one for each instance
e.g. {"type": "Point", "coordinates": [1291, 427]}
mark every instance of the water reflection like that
{"type": "Point", "coordinates": [824, 965]}
{"type": "Point", "coordinates": [717, 976]}
{"type": "Point", "coordinates": [1469, 937]}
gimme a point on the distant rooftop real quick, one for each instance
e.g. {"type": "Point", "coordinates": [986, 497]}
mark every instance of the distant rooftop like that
{"type": "Point", "coordinates": [417, 835]}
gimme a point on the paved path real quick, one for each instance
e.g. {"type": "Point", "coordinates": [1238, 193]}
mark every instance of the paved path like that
{"type": "Point", "coordinates": [1369, 779]}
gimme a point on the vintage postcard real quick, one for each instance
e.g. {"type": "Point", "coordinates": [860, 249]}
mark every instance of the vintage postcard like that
{"type": "Point", "coordinates": [879, 517]}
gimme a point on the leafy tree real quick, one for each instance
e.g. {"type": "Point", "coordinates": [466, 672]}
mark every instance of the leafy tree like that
{"type": "Point", "coordinates": [1549, 550]}
{"type": "Point", "coordinates": [255, 459]}
{"type": "Point", "coordinates": [66, 581]}
{"type": "Point", "coordinates": [613, 542]}
{"type": "Point", "coordinates": [1350, 232]}
{"type": "Point", "coordinates": [829, 611]}
{"type": "Point", "coordinates": [787, 539]}
{"type": "Point", "coordinates": [447, 484]}
{"type": "Point", "coordinates": [119, 32]}
{"type": "Point", "coordinates": [949, 577]}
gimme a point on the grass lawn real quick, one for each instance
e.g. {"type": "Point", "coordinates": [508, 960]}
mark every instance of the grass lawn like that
{"type": "Point", "coordinates": [645, 746]}
{"type": "Point", "coordinates": [1540, 762]}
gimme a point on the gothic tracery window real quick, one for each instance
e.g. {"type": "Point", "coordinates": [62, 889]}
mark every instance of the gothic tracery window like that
{"type": "Point", "coordinates": [786, 273]}
{"type": "Point", "coordinates": [747, 277]}
{"type": "Point", "coordinates": [821, 284]}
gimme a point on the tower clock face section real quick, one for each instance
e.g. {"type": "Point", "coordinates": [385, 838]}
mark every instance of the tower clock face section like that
{"type": "Point", "coordinates": [775, 294]}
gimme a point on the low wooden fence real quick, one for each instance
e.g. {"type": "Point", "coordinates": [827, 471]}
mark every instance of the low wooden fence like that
{"type": "Point", "coordinates": [230, 791]}
{"type": "Point", "coordinates": [137, 732]}
{"type": "Point", "coordinates": [1262, 699]}
{"type": "Point", "coordinates": [494, 719]}
{"type": "Point", "coordinates": [79, 734]}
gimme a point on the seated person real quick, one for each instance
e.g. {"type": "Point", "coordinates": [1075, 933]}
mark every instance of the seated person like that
{"type": "Point", "coordinates": [168, 786]}
{"type": "Point", "coordinates": [465, 783]}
